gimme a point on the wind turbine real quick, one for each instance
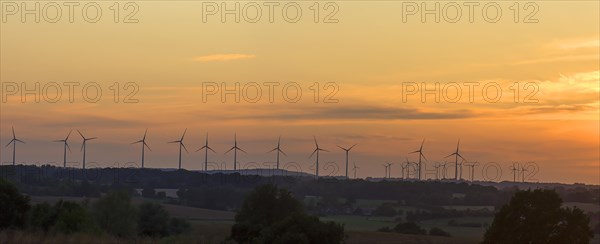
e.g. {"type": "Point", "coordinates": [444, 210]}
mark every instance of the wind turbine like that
{"type": "Point", "coordinates": [407, 166]}
{"type": "Point", "coordinates": [386, 170]}
{"type": "Point", "coordinates": [354, 169]}
{"type": "Point", "coordinates": [83, 147]}
{"type": "Point", "coordinates": [206, 148]}
{"type": "Point", "coordinates": [347, 151]}
{"type": "Point", "coordinates": [317, 149]}
{"type": "Point", "coordinates": [144, 145]}
{"type": "Point", "coordinates": [278, 149]}
{"type": "Point", "coordinates": [180, 141]}
{"type": "Point", "coordinates": [456, 154]}
{"type": "Point", "coordinates": [14, 142]}
{"type": "Point", "coordinates": [514, 170]}
{"type": "Point", "coordinates": [437, 170]}
{"type": "Point", "coordinates": [472, 165]}
{"type": "Point", "coordinates": [389, 165]}
{"type": "Point", "coordinates": [420, 151]}
{"type": "Point", "coordinates": [523, 170]}
{"type": "Point", "coordinates": [235, 148]}
{"type": "Point", "coordinates": [66, 146]}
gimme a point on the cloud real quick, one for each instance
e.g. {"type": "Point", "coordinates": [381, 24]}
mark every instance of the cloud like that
{"type": "Point", "coordinates": [576, 44]}
{"type": "Point", "coordinates": [223, 57]}
{"type": "Point", "coordinates": [568, 58]}
{"type": "Point", "coordinates": [347, 113]}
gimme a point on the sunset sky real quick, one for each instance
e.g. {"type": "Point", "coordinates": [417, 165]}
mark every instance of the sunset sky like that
{"type": "Point", "coordinates": [370, 54]}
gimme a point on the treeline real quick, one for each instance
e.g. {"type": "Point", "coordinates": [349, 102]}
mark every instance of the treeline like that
{"type": "Point", "coordinates": [113, 214]}
{"type": "Point", "coordinates": [226, 191]}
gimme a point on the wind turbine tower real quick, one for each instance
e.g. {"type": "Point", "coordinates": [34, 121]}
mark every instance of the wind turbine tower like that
{"type": "Point", "coordinates": [206, 148]}
{"type": "Point", "coordinates": [347, 150]}
{"type": "Point", "coordinates": [14, 142]}
{"type": "Point", "coordinates": [420, 151]}
{"type": "Point", "coordinates": [279, 151]}
{"type": "Point", "coordinates": [180, 142]}
{"type": "Point", "coordinates": [65, 147]}
{"type": "Point", "coordinates": [317, 149]}
{"type": "Point", "coordinates": [235, 148]}
{"type": "Point", "coordinates": [457, 155]}
{"type": "Point", "coordinates": [83, 145]}
{"type": "Point", "coordinates": [144, 145]}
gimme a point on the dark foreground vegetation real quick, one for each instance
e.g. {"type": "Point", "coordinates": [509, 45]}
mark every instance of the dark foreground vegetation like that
{"type": "Point", "coordinates": [284, 209]}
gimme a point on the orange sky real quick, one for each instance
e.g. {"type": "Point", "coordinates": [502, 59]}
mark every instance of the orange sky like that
{"type": "Point", "coordinates": [371, 56]}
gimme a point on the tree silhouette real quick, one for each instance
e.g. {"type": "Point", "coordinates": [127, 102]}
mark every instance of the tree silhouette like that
{"type": "Point", "coordinates": [14, 206]}
{"type": "Point", "coordinates": [272, 215]}
{"type": "Point", "coordinates": [537, 217]}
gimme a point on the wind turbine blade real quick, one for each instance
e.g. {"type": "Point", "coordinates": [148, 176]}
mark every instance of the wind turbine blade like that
{"type": "Point", "coordinates": [320, 149]}
{"type": "Point", "coordinates": [68, 135]}
{"type": "Point", "coordinates": [147, 146]}
{"type": "Point", "coordinates": [81, 134]}
{"type": "Point", "coordinates": [58, 141]}
{"type": "Point", "coordinates": [82, 146]}
{"type": "Point", "coordinates": [67, 144]}
{"type": "Point", "coordinates": [135, 142]}
{"type": "Point", "coordinates": [313, 153]}
{"type": "Point", "coordinates": [415, 151]}
{"type": "Point", "coordinates": [314, 137]}
{"type": "Point", "coordinates": [274, 149]}
{"type": "Point", "coordinates": [352, 147]}
{"type": "Point", "coordinates": [281, 151]}
{"type": "Point", "coordinates": [279, 141]}
{"type": "Point", "coordinates": [461, 156]}
{"type": "Point", "coordinates": [13, 130]}
{"type": "Point", "coordinates": [457, 145]}
{"type": "Point", "coordinates": [342, 148]}
{"type": "Point", "coordinates": [211, 149]}
{"type": "Point", "coordinates": [173, 142]}
{"type": "Point", "coordinates": [10, 142]}
{"type": "Point", "coordinates": [92, 138]}
{"type": "Point", "coordinates": [242, 150]}
{"type": "Point", "coordinates": [19, 141]}
{"type": "Point", "coordinates": [182, 136]}
{"type": "Point", "coordinates": [422, 144]}
{"type": "Point", "coordinates": [200, 149]}
{"type": "Point", "coordinates": [183, 145]}
{"type": "Point", "coordinates": [229, 150]}
{"type": "Point", "coordinates": [145, 132]}
{"type": "Point", "coordinates": [423, 155]}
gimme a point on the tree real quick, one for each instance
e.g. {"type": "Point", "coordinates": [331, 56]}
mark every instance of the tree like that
{"type": "Point", "coordinates": [272, 215]}
{"type": "Point", "coordinates": [64, 217]}
{"type": "Point", "coordinates": [115, 214]}
{"type": "Point", "coordinates": [537, 217]}
{"type": "Point", "coordinates": [72, 217]}
{"type": "Point", "coordinates": [153, 220]}
{"type": "Point", "coordinates": [14, 206]}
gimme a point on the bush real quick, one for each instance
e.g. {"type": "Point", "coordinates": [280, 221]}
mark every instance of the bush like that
{"type": "Point", "coordinates": [14, 206]}
{"type": "Point", "coordinates": [72, 217]}
{"type": "Point", "coordinates": [410, 228]}
{"type": "Point", "coordinates": [438, 232]}
{"type": "Point", "coordinates": [153, 220]}
{"type": "Point", "coordinates": [179, 226]}
{"type": "Point", "coordinates": [115, 214]}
